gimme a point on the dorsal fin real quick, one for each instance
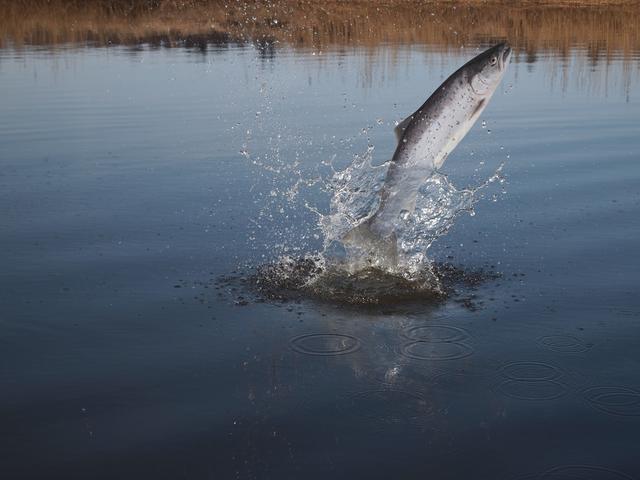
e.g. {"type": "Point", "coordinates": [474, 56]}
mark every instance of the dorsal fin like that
{"type": "Point", "coordinates": [402, 126]}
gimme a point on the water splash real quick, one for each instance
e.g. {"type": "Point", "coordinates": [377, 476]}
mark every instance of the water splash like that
{"type": "Point", "coordinates": [348, 273]}
{"type": "Point", "coordinates": [356, 197]}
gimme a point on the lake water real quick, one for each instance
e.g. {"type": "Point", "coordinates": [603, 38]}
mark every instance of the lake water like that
{"type": "Point", "coordinates": [139, 184]}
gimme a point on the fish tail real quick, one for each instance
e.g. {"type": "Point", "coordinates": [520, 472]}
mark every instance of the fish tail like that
{"type": "Point", "coordinates": [360, 234]}
{"type": "Point", "coordinates": [380, 250]}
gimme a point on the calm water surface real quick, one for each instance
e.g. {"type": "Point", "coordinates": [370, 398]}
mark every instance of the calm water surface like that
{"type": "Point", "coordinates": [131, 179]}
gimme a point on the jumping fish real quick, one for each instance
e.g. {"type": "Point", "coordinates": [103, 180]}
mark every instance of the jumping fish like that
{"type": "Point", "coordinates": [425, 139]}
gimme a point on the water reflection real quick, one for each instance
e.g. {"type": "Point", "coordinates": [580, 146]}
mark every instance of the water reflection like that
{"type": "Point", "coordinates": [578, 39]}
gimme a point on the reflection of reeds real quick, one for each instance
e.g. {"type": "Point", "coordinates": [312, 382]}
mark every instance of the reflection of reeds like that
{"type": "Point", "coordinates": [602, 27]}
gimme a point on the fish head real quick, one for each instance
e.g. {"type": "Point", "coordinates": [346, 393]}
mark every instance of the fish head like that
{"type": "Point", "coordinates": [487, 69]}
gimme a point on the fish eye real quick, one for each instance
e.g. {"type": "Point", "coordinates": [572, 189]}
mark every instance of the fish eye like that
{"type": "Point", "coordinates": [493, 60]}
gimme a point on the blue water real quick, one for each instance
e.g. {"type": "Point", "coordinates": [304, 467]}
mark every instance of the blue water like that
{"type": "Point", "coordinates": [125, 196]}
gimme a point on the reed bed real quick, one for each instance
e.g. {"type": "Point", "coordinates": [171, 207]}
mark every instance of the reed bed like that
{"type": "Point", "coordinates": [602, 27]}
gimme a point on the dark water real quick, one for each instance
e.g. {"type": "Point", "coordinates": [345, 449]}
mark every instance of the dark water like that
{"type": "Point", "coordinates": [125, 196]}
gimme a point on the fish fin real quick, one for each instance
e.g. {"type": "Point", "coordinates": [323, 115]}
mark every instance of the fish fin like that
{"type": "Point", "coordinates": [402, 126]}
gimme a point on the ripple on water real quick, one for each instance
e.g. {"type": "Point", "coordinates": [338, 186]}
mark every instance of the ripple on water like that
{"type": "Point", "coordinates": [424, 350]}
{"type": "Point", "coordinates": [325, 344]}
{"type": "Point", "coordinates": [435, 333]}
{"type": "Point", "coordinates": [614, 400]}
{"type": "Point", "coordinates": [530, 371]}
{"type": "Point", "coordinates": [534, 381]}
{"type": "Point", "coordinates": [564, 344]}
{"type": "Point", "coordinates": [579, 472]}
{"type": "Point", "coordinates": [567, 472]}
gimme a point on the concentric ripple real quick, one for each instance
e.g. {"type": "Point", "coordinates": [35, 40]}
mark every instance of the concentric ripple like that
{"type": "Point", "coordinates": [563, 344]}
{"type": "Point", "coordinates": [325, 344]}
{"type": "Point", "coordinates": [435, 333]}
{"type": "Point", "coordinates": [530, 371]}
{"type": "Point", "coordinates": [423, 350]}
{"type": "Point", "coordinates": [614, 400]}
{"type": "Point", "coordinates": [574, 472]}
{"type": "Point", "coordinates": [534, 381]}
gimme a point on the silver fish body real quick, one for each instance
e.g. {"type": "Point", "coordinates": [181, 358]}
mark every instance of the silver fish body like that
{"type": "Point", "coordinates": [426, 138]}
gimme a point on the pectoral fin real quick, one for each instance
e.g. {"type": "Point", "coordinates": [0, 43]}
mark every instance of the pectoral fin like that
{"type": "Point", "coordinates": [402, 126]}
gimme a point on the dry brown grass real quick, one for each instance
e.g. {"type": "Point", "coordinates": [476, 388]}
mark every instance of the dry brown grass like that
{"type": "Point", "coordinates": [601, 26]}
